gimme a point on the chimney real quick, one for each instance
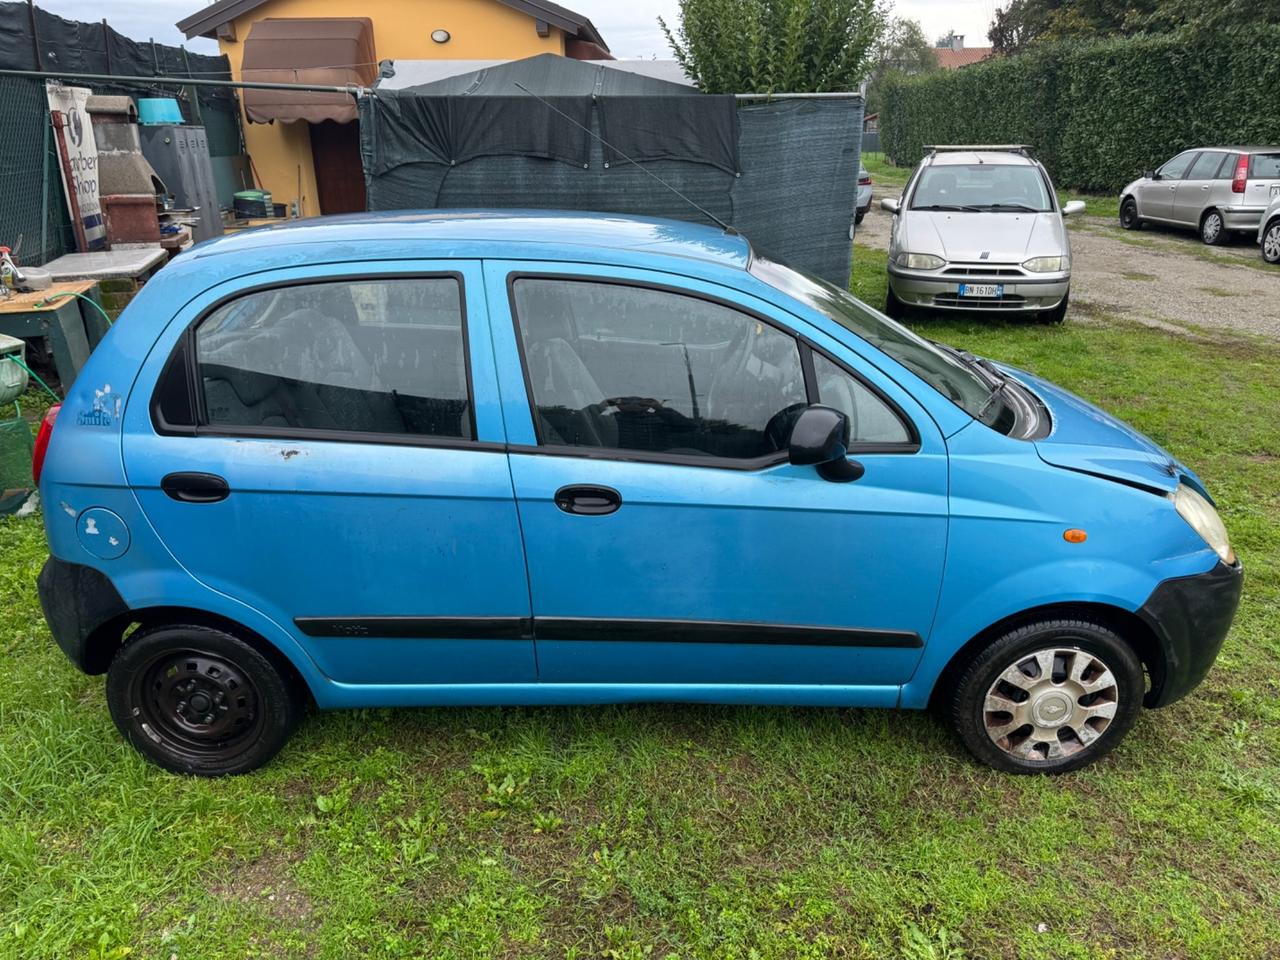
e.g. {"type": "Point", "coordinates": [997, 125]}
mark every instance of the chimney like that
{"type": "Point", "coordinates": [957, 41]}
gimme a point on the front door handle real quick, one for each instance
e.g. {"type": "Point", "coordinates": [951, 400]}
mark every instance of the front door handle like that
{"type": "Point", "coordinates": [588, 501]}
{"type": "Point", "coordinates": [195, 487]}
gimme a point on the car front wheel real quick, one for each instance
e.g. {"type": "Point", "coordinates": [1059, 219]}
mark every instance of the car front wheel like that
{"type": "Point", "coordinates": [893, 307]}
{"type": "Point", "coordinates": [1048, 697]}
{"type": "Point", "coordinates": [1129, 218]}
{"type": "Point", "coordinates": [1213, 230]}
{"type": "Point", "coordinates": [1056, 314]}
{"type": "Point", "coordinates": [1271, 242]}
{"type": "Point", "coordinates": [200, 701]}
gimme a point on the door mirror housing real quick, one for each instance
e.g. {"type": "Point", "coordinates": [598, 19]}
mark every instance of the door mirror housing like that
{"type": "Point", "coordinates": [820, 438]}
{"type": "Point", "coordinates": [890, 203]}
{"type": "Point", "coordinates": [1073, 206]}
{"type": "Point", "coordinates": [1150, 175]}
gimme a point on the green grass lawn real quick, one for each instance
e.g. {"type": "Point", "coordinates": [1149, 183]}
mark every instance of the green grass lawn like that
{"type": "Point", "coordinates": [674, 831]}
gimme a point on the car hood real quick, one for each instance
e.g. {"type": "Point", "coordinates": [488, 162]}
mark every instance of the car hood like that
{"type": "Point", "coordinates": [1089, 440]}
{"type": "Point", "coordinates": [998, 237]}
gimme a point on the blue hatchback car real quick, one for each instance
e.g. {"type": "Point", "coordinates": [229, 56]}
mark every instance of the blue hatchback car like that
{"type": "Point", "coordinates": [541, 458]}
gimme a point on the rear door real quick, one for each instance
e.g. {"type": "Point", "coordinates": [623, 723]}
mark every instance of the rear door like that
{"type": "Point", "coordinates": [326, 447]}
{"type": "Point", "coordinates": [1194, 193]}
{"type": "Point", "coordinates": [668, 540]}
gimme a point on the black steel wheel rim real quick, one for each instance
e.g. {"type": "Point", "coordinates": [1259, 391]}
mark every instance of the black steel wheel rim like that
{"type": "Point", "coordinates": [1127, 213]}
{"type": "Point", "coordinates": [197, 704]}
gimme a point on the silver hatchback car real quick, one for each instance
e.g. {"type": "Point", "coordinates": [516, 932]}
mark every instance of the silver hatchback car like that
{"type": "Point", "coordinates": [1269, 231]}
{"type": "Point", "coordinates": [1215, 190]}
{"type": "Point", "coordinates": [979, 228]}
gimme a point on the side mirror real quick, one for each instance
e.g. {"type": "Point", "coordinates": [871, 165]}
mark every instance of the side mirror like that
{"type": "Point", "coordinates": [1073, 206]}
{"type": "Point", "coordinates": [820, 438]}
{"type": "Point", "coordinates": [890, 203]}
{"type": "Point", "coordinates": [1150, 175]}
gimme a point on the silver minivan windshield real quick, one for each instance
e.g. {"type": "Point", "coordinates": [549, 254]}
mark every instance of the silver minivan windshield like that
{"type": "Point", "coordinates": [945, 369]}
{"type": "Point", "coordinates": [981, 187]}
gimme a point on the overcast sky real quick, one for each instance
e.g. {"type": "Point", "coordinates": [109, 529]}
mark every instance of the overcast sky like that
{"type": "Point", "coordinates": [630, 27]}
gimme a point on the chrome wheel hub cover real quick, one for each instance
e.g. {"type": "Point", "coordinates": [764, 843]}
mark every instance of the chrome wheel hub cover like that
{"type": "Point", "coordinates": [1050, 704]}
{"type": "Point", "coordinates": [1271, 243]}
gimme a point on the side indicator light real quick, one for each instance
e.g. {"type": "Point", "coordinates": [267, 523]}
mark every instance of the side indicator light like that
{"type": "Point", "coordinates": [1075, 536]}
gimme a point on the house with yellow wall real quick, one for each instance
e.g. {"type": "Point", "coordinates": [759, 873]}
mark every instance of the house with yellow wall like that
{"type": "Point", "coordinates": [305, 147]}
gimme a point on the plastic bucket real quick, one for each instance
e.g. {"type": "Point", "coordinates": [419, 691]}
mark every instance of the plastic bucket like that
{"type": "Point", "coordinates": [159, 110]}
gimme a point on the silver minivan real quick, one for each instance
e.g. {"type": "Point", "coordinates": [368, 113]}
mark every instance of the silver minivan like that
{"type": "Point", "coordinates": [979, 228]}
{"type": "Point", "coordinates": [1216, 190]}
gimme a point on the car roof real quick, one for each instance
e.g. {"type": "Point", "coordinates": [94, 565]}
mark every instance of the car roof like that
{"type": "Point", "coordinates": [1236, 149]}
{"type": "Point", "coordinates": [953, 158]}
{"type": "Point", "coordinates": [503, 229]}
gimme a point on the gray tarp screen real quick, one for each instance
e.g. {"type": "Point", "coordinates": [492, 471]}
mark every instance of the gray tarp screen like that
{"type": "Point", "coordinates": [783, 173]}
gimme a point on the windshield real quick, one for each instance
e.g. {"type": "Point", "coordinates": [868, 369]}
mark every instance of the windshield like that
{"type": "Point", "coordinates": [943, 368]}
{"type": "Point", "coordinates": [981, 187]}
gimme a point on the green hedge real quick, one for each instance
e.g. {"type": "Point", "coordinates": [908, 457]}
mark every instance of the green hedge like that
{"type": "Point", "coordinates": [1098, 114]}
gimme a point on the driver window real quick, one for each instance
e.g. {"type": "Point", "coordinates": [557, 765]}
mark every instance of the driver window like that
{"type": "Point", "coordinates": [1175, 168]}
{"type": "Point", "coordinates": [634, 368]}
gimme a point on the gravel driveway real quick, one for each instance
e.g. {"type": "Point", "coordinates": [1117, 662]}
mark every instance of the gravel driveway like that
{"type": "Point", "coordinates": [1160, 277]}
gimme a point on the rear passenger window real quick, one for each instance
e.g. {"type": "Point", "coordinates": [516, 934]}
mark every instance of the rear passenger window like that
{"type": "Point", "coordinates": [1205, 167]}
{"type": "Point", "coordinates": [634, 368]}
{"type": "Point", "coordinates": [1228, 169]}
{"type": "Point", "coordinates": [370, 356]}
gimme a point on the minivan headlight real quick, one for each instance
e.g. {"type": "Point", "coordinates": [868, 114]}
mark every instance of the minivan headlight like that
{"type": "Point", "coordinates": [1048, 264]}
{"type": "Point", "coordinates": [1204, 520]}
{"type": "Point", "coordinates": [920, 261]}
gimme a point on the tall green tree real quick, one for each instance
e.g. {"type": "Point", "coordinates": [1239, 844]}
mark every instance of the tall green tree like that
{"type": "Point", "coordinates": [776, 46]}
{"type": "Point", "coordinates": [903, 49]}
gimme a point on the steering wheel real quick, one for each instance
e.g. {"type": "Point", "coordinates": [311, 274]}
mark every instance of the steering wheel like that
{"type": "Point", "coordinates": [633, 404]}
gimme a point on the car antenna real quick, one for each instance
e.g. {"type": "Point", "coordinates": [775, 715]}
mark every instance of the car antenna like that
{"type": "Point", "coordinates": [701, 209]}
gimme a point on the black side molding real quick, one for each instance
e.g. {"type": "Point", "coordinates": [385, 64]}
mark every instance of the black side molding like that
{"type": "Point", "coordinates": [604, 630]}
{"type": "Point", "coordinates": [77, 600]}
{"type": "Point", "coordinates": [419, 628]}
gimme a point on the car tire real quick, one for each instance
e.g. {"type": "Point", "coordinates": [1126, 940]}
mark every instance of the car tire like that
{"type": "Point", "coordinates": [894, 308]}
{"type": "Point", "coordinates": [1055, 675]}
{"type": "Point", "coordinates": [1129, 218]}
{"type": "Point", "coordinates": [858, 217]}
{"type": "Point", "coordinates": [200, 701]}
{"type": "Point", "coordinates": [1213, 229]}
{"type": "Point", "coordinates": [1271, 242]}
{"type": "Point", "coordinates": [1056, 314]}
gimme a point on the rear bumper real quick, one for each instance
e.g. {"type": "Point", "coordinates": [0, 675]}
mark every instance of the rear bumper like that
{"type": "Point", "coordinates": [78, 601]}
{"type": "Point", "coordinates": [1021, 294]}
{"type": "Point", "coordinates": [1190, 617]}
{"type": "Point", "coordinates": [1242, 218]}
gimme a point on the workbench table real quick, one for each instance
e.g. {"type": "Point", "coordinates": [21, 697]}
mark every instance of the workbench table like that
{"type": "Point", "coordinates": [70, 329]}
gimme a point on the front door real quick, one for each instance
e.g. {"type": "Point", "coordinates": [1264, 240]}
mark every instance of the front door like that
{"type": "Point", "coordinates": [1193, 194]}
{"type": "Point", "coordinates": [335, 150]}
{"type": "Point", "coordinates": [1156, 196]}
{"type": "Point", "coordinates": [668, 540]}
{"type": "Point", "coordinates": [342, 471]}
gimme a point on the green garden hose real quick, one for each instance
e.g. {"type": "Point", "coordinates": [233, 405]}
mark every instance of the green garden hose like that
{"type": "Point", "coordinates": [80, 296]}
{"type": "Point", "coordinates": [56, 398]}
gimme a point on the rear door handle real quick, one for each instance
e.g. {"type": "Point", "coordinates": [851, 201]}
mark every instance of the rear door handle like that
{"type": "Point", "coordinates": [588, 501]}
{"type": "Point", "coordinates": [195, 487]}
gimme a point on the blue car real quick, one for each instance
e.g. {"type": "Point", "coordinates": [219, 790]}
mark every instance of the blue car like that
{"type": "Point", "coordinates": [544, 458]}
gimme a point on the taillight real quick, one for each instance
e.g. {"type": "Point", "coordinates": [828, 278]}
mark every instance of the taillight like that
{"type": "Point", "coordinates": [1242, 174]}
{"type": "Point", "coordinates": [864, 181]}
{"type": "Point", "coordinates": [42, 441]}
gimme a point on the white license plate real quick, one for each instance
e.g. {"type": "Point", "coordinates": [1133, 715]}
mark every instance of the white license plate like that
{"type": "Point", "coordinates": [982, 290]}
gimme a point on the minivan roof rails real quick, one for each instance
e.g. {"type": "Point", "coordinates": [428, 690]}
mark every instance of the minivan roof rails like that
{"type": "Point", "coordinates": [1021, 148]}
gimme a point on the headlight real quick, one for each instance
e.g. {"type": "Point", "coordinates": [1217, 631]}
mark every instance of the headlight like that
{"type": "Point", "coordinates": [1204, 520]}
{"type": "Point", "coordinates": [920, 261]}
{"type": "Point", "coordinates": [1048, 264]}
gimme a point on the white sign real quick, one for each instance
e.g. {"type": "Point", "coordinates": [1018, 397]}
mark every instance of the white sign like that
{"type": "Point", "coordinates": [82, 156]}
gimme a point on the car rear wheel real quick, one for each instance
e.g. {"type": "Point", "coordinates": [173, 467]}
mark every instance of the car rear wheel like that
{"type": "Point", "coordinates": [857, 217]}
{"type": "Point", "coordinates": [1048, 697]}
{"type": "Point", "coordinates": [1213, 230]}
{"type": "Point", "coordinates": [1271, 242]}
{"type": "Point", "coordinates": [200, 701]}
{"type": "Point", "coordinates": [1129, 218]}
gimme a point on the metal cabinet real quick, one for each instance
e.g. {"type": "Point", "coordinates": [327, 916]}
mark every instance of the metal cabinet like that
{"type": "Point", "coordinates": [180, 155]}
